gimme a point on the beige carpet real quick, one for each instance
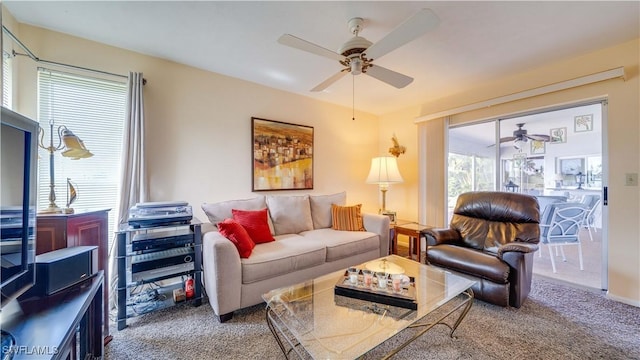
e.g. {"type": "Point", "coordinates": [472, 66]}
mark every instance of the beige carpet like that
{"type": "Point", "coordinates": [556, 322]}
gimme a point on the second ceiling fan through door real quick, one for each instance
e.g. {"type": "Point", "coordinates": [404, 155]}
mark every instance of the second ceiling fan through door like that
{"type": "Point", "coordinates": [520, 135]}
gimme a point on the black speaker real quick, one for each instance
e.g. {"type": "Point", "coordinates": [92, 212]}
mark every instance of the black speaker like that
{"type": "Point", "coordinates": [59, 269]}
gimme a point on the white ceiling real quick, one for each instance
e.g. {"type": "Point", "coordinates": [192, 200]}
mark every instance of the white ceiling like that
{"type": "Point", "coordinates": [474, 42]}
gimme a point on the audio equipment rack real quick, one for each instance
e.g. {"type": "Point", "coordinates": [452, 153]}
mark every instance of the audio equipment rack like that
{"type": "Point", "coordinates": [156, 260]}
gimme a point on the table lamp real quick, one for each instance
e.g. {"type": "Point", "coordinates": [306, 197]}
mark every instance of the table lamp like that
{"type": "Point", "coordinates": [384, 171]}
{"type": "Point", "coordinates": [73, 148]}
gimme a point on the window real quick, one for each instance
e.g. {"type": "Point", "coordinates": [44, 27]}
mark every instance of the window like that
{"type": "Point", "coordinates": [94, 110]}
{"type": "Point", "coordinates": [471, 161]}
{"type": "Point", "coordinates": [7, 84]}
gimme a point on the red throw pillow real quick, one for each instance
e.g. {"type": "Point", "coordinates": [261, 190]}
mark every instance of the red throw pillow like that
{"type": "Point", "coordinates": [237, 234]}
{"type": "Point", "coordinates": [256, 224]}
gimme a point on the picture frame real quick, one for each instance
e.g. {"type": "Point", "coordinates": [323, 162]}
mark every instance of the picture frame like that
{"type": "Point", "coordinates": [282, 155]}
{"type": "Point", "coordinates": [537, 147]}
{"type": "Point", "coordinates": [558, 135]}
{"type": "Point", "coordinates": [583, 123]}
{"type": "Point", "coordinates": [392, 216]}
{"type": "Point", "coordinates": [571, 166]}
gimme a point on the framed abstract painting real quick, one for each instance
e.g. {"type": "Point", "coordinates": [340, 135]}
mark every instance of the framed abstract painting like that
{"type": "Point", "coordinates": [282, 155]}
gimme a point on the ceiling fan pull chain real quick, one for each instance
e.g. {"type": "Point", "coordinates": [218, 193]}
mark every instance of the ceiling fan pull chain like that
{"type": "Point", "coordinates": [353, 98]}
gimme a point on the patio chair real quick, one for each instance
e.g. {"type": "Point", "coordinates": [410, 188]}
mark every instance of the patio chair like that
{"type": "Point", "coordinates": [592, 202]}
{"type": "Point", "coordinates": [560, 226]}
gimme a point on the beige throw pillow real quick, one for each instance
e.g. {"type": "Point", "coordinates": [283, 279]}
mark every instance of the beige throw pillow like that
{"type": "Point", "coordinates": [290, 214]}
{"type": "Point", "coordinates": [321, 208]}
{"type": "Point", "coordinates": [217, 212]}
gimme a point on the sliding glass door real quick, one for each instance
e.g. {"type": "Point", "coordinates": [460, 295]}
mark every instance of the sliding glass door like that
{"type": "Point", "coordinates": [553, 155]}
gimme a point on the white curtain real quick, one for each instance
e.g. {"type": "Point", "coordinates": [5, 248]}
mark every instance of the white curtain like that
{"type": "Point", "coordinates": [133, 181]}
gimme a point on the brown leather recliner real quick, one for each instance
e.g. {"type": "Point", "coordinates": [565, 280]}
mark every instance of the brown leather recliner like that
{"type": "Point", "coordinates": [492, 238]}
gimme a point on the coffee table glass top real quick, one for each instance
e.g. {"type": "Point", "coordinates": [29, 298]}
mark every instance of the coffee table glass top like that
{"type": "Point", "coordinates": [332, 326]}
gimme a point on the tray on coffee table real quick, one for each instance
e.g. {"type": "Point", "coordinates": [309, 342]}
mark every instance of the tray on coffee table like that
{"type": "Point", "coordinates": [405, 299]}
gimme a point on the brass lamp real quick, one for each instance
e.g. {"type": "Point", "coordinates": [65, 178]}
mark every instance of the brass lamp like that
{"type": "Point", "coordinates": [73, 148]}
{"type": "Point", "coordinates": [384, 171]}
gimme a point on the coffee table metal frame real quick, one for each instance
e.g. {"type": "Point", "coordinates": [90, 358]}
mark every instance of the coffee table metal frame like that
{"type": "Point", "coordinates": [290, 345]}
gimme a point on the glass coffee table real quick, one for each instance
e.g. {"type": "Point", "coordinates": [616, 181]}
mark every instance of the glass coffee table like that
{"type": "Point", "coordinates": [310, 321]}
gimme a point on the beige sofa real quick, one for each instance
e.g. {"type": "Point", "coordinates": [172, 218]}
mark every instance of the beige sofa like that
{"type": "Point", "coordinates": [305, 247]}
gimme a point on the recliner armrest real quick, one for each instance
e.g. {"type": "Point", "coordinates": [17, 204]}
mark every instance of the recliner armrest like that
{"type": "Point", "coordinates": [518, 247]}
{"type": "Point", "coordinates": [441, 236]}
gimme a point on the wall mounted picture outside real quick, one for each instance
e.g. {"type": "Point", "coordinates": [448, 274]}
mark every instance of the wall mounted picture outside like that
{"type": "Point", "coordinates": [282, 155]}
{"type": "Point", "coordinates": [583, 123]}
{"type": "Point", "coordinates": [558, 135]}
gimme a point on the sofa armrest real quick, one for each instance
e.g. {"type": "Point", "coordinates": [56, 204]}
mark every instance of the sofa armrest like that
{"type": "Point", "coordinates": [441, 236]}
{"type": "Point", "coordinates": [378, 224]}
{"type": "Point", "coordinates": [222, 272]}
{"type": "Point", "coordinates": [517, 247]}
{"type": "Point", "coordinates": [206, 227]}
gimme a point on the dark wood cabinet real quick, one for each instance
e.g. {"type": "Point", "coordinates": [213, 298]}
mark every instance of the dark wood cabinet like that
{"type": "Point", "coordinates": [57, 231]}
{"type": "Point", "coordinates": [66, 325]}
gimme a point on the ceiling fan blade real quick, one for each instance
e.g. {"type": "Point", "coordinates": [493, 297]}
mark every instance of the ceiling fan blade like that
{"type": "Point", "coordinates": [507, 139]}
{"type": "Point", "coordinates": [539, 137]}
{"type": "Point", "coordinates": [417, 25]}
{"type": "Point", "coordinates": [389, 76]}
{"type": "Point", "coordinates": [304, 45]}
{"type": "Point", "coordinates": [325, 84]}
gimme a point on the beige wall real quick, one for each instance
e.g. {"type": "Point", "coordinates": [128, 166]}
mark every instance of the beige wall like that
{"type": "Point", "coordinates": [623, 143]}
{"type": "Point", "coordinates": [198, 138]}
{"type": "Point", "coordinates": [402, 198]}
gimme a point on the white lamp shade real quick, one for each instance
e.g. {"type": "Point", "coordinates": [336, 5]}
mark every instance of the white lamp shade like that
{"type": "Point", "coordinates": [384, 171]}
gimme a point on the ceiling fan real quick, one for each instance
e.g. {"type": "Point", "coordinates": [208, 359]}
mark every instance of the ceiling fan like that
{"type": "Point", "coordinates": [520, 136]}
{"type": "Point", "coordinates": [357, 54]}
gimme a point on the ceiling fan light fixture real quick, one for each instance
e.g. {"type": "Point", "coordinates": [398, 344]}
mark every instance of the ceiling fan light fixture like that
{"type": "Point", "coordinates": [356, 66]}
{"type": "Point", "coordinates": [517, 144]}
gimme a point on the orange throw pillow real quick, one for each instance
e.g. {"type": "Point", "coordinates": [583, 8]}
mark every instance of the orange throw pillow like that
{"type": "Point", "coordinates": [256, 224]}
{"type": "Point", "coordinates": [233, 231]}
{"type": "Point", "coordinates": [347, 218]}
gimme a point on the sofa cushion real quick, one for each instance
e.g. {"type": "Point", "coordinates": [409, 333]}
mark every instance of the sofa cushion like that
{"type": "Point", "coordinates": [217, 212]}
{"type": "Point", "coordinates": [287, 254]}
{"type": "Point", "coordinates": [290, 214]}
{"type": "Point", "coordinates": [469, 261]}
{"type": "Point", "coordinates": [237, 234]}
{"type": "Point", "coordinates": [343, 244]}
{"type": "Point", "coordinates": [321, 208]}
{"type": "Point", "coordinates": [255, 222]}
{"type": "Point", "coordinates": [348, 218]}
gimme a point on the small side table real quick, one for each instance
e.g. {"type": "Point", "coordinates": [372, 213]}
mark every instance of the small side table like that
{"type": "Point", "coordinates": [413, 231]}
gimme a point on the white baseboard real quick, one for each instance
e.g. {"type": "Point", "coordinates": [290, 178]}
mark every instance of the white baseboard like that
{"type": "Point", "coordinates": [623, 300]}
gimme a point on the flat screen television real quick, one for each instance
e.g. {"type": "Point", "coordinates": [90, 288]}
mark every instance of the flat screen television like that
{"type": "Point", "coordinates": [18, 177]}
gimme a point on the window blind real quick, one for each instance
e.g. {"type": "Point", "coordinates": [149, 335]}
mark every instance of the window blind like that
{"type": "Point", "coordinates": [7, 84]}
{"type": "Point", "coordinates": [94, 110]}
